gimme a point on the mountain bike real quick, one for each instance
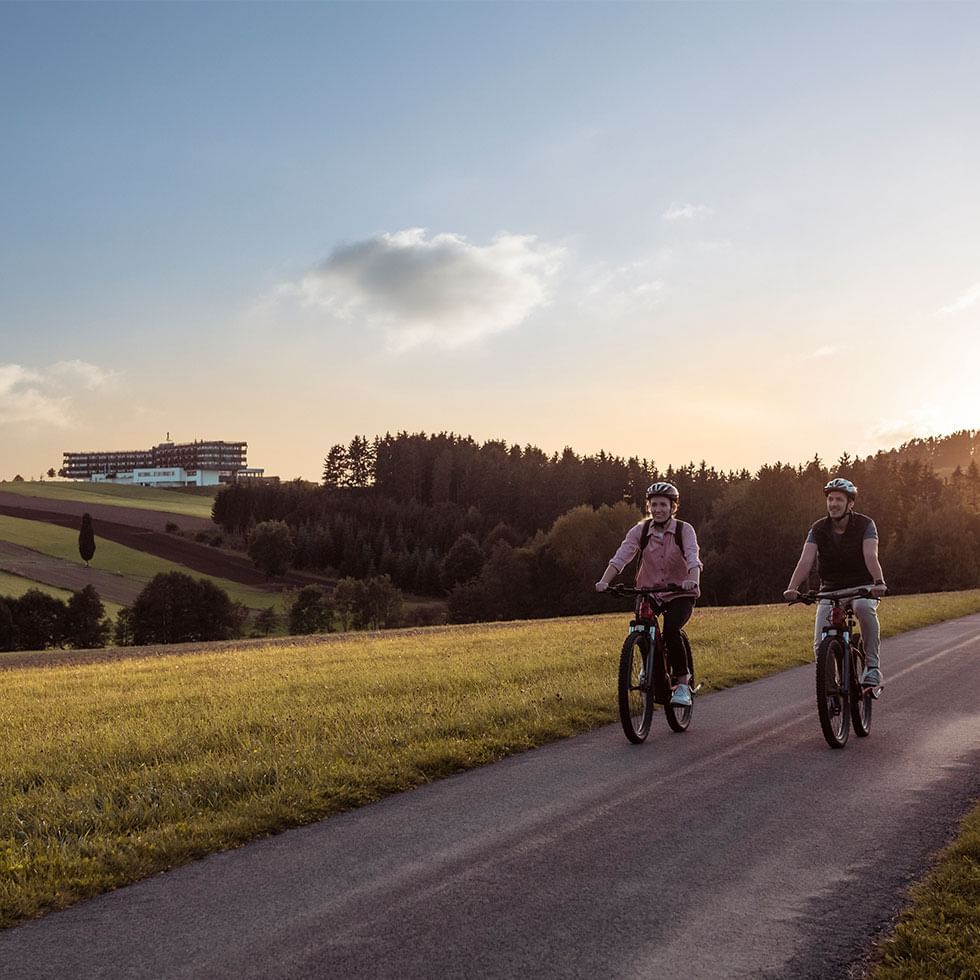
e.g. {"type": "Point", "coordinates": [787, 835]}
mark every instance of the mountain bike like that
{"type": "Point", "coordinates": [841, 699]}
{"type": "Point", "coordinates": [644, 671]}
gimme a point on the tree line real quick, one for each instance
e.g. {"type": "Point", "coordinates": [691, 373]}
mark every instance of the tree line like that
{"type": "Point", "coordinates": [174, 607]}
{"type": "Point", "coordinates": [504, 531]}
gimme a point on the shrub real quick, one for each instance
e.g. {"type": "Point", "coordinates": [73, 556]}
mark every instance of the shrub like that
{"type": "Point", "coordinates": [8, 629]}
{"type": "Point", "coordinates": [266, 622]}
{"type": "Point", "coordinates": [86, 625]}
{"type": "Point", "coordinates": [40, 621]}
{"type": "Point", "coordinates": [270, 546]}
{"type": "Point", "coordinates": [175, 608]}
{"type": "Point", "coordinates": [368, 603]}
{"type": "Point", "coordinates": [311, 612]}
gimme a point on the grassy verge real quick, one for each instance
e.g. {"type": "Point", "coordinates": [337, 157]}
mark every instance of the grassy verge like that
{"type": "Point", "coordinates": [939, 935]}
{"type": "Point", "coordinates": [110, 772]}
{"type": "Point", "coordinates": [197, 504]}
{"type": "Point", "coordinates": [62, 542]}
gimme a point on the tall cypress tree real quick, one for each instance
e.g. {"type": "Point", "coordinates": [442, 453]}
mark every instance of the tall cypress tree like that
{"type": "Point", "coordinates": [86, 539]}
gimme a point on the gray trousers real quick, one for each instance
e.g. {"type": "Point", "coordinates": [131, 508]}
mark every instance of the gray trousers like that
{"type": "Point", "coordinates": [867, 615]}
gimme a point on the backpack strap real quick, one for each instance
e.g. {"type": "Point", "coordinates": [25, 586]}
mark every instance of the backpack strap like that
{"type": "Point", "coordinates": [679, 535]}
{"type": "Point", "coordinates": [644, 536]}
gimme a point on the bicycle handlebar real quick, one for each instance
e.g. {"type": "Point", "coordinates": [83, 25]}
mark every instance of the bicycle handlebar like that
{"type": "Point", "coordinates": [627, 592]}
{"type": "Point", "coordinates": [839, 595]}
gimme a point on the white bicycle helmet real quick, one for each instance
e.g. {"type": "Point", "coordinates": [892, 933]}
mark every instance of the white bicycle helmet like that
{"type": "Point", "coordinates": [841, 486]}
{"type": "Point", "coordinates": [663, 490]}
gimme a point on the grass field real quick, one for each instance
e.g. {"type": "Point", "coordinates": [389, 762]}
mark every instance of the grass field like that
{"type": "Point", "coordinates": [16, 586]}
{"type": "Point", "coordinates": [110, 772]}
{"type": "Point", "coordinates": [62, 542]}
{"type": "Point", "coordinates": [196, 502]}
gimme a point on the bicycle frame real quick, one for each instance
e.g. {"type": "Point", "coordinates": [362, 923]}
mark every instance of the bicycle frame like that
{"type": "Point", "coordinates": [841, 698]}
{"type": "Point", "coordinates": [656, 664]}
{"type": "Point", "coordinates": [644, 667]}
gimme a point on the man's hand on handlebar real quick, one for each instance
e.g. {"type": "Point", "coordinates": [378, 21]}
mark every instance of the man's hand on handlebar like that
{"type": "Point", "coordinates": [601, 586]}
{"type": "Point", "coordinates": [791, 595]}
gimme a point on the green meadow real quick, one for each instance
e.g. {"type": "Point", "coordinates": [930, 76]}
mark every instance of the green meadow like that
{"type": "Point", "coordinates": [192, 502]}
{"type": "Point", "coordinates": [16, 586]}
{"type": "Point", "coordinates": [110, 772]}
{"type": "Point", "coordinates": [62, 542]}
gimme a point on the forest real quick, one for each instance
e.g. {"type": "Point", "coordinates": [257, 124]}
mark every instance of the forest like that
{"type": "Point", "coordinates": [503, 531]}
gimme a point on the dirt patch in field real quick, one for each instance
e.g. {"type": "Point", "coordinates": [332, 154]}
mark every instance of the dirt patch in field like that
{"type": "Point", "coordinates": [200, 558]}
{"type": "Point", "coordinates": [67, 575]}
{"type": "Point", "coordinates": [155, 520]}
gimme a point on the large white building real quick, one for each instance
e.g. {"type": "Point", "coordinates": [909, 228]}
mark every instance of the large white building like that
{"type": "Point", "coordinates": [188, 464]}
{"type": "Point", "coordinates": [159, 476]}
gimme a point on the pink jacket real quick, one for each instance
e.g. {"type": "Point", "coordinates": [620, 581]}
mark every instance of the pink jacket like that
{"type": "Point", "coordinates": [663, 561]}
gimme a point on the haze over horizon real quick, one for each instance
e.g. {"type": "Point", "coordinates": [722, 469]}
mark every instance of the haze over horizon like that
{"type": "Point", "coordinates": [740, 233]}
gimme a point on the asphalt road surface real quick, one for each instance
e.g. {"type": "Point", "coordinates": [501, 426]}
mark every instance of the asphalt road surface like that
{"type": "Point", "coordinates": [743, 848]}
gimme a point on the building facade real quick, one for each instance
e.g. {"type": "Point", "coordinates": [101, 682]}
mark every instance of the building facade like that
{"type": "Point", "coordinates": [217, 455]}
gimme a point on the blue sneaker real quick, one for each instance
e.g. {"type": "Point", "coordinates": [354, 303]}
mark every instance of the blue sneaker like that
{"type": "Point", "coordinates": [871, 678]}
{"type": "Point", "coordinates": [682, 696]}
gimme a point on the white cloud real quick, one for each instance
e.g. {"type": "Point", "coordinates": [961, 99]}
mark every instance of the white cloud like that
{"type": "Point", "coordinates": [963, 302]}
{"type": "Point", "coordinates": [687, 212]}
{"type": "Point", "coordinates": [822, 352]}
{"type": "Point", "coordinates": [620, 289]}
{"type": "Point", "coordinates": [918, 423]}
{"type": "Point", "coordinates": [441, 289]}
{"type": "Point", "coordinates": [90, 376]}
{"type": "Point", "coordinates": [45, 397]}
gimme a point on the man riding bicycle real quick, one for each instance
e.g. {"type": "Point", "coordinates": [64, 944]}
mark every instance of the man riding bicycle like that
{"type": "Point", "coordinates": [669, 552]}
{"type": "Point", "coordinates": [845, 545]}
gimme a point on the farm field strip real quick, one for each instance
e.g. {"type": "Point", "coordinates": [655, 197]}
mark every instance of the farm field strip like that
{"type": "Point", "coordinates": [141, 498]}
{"type": "Point", "coordinates": [62, 543]}
{"type": "Point", "coordinates": [113, 771]}
{"type": "Point", "coordinates": [17, 585]}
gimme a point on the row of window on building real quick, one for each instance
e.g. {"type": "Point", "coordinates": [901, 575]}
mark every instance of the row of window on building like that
{"type": "Point", "coordinates": [168, 464]}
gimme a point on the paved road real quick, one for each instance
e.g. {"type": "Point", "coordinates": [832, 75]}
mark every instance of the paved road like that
{"type": "Point", "coordinates": [745, 848]}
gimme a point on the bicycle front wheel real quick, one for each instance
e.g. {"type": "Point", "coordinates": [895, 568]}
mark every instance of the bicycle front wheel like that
{"type": "Point", "coordinates": [861, 700]}
{"type": "Point", "coordinates": [832, 707]}
{"type": "Point", "coordinates": [635, 687]}
{"type": "Point", "coordinates": [679, 717]}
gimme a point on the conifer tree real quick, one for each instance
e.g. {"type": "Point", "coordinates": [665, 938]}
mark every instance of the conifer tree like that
{"type": "Point", "coordinates": [86, 539]}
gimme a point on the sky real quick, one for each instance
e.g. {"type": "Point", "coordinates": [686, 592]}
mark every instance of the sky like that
{"type": "Point", "coordinates": [739, 232]}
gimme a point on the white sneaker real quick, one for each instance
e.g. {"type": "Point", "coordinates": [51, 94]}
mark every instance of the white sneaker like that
{"type": "Point", "coordinates": [682, 696]}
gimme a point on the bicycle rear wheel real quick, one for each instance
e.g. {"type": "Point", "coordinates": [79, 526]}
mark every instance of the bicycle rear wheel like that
{"type": "Point", "coordinates": [679, 717]}
{"type": "Point", "coordinates": [832, 707]}
{"type": "Point", "coordinates": [861, 700]}
{"type": "Point", "coordinates": [635, 687]}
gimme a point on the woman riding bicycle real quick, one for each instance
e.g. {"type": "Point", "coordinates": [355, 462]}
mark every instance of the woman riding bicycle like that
{"type": "Point", "coordinates": [668, 553]}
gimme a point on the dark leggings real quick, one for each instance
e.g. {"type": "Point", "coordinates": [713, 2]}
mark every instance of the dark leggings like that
{"type": "Point", "coordinates": [676, 613]}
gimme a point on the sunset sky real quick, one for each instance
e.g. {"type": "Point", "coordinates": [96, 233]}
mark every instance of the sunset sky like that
{"type": "Point", "coordinates": [734, 232]}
